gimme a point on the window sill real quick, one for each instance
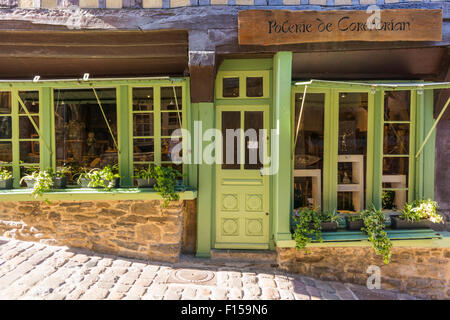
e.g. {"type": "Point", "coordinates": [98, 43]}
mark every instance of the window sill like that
{"type": "Point", "coordinates": [400, 238]}
{"type": "Point", "coordinates": [24, 194]}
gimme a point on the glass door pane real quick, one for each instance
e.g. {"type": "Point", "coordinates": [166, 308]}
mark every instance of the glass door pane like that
{"type": "Point", "coordinates": [352, 150]}
{"type": "Point", "coordinates": [231, 133]}
{"type": "Point", "coordinates": [254, 145]}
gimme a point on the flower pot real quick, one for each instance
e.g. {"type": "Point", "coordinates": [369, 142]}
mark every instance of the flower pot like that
{"type": "Point", "coordinates": [85, 183]}
{"type": "Point", "coordinates": [29, 182]}
{"type": "Point", "coordinates": [354, 225]}
{"type": "Point", "coordinates": [329, 226]}
{"type": "Point", "coordinates": [6, 184]}
{"type": "Point", "coordinates": [146, 183]}
{"type": "Point", "coordinates": [59, 182]}
{"type": "Point", "coordinates": [397, 223]}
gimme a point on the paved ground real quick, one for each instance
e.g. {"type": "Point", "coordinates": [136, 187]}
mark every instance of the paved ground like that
{"type": "Point", "coordinates": [34, 271]}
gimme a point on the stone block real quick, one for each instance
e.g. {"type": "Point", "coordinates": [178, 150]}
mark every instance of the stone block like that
{"type": "Point", "coordinates": [151, 3]}
{"type": "Point", "coordinates": [218, 2]}
{"type": "Point", "coordinates": [318, 2]}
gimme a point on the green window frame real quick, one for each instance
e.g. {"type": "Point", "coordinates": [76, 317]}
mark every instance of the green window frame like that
{"type": "Point", "coordinates": [421, 115]}
{"type": "Point", "coordinates": [157, 113]}
{"type": "Point", "coordinates": [19, 112]}
{"type": "Point", "coordinates": [243, 76]}
{"type": "Point", "coordinates": [46, 126]}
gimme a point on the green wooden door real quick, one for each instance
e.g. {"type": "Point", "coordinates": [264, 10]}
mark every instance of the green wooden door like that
{"type": "Point", "coordinates": [242, 192]}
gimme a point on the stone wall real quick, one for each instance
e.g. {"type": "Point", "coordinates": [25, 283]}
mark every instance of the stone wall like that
{"type": "Point", "coordinates": [422, 272]}
{"type": "Point", "coordinates": [131, 228]}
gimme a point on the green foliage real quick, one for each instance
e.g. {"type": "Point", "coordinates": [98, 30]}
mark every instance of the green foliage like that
{"type": "Point", "coordinates": [374, 226]}
{"type": "Point", "coordinates": [146, 174]}
{"type": "Point", "coordinates": [100, 178]}
{"type": "Point", "coordinates": [388, 199]}
{"type": "Point", "coordinates": [166, 181]}
{"type": "Point", "coordinates": [353, 217]}
{"type": "Point", "coordinates": [43, 182]}
{"type": "Point", "coordinates": [420, 210]}
{"type": "Point", "coordinates": [307, 226]}
{"type": "Point", "coordinates": [328, 216]}
{"type": "Point", "coordinates": [5, 174]}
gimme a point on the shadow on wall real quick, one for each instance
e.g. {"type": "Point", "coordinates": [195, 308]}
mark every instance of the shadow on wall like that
{"type": "Point", "coordinates": [442, 167]}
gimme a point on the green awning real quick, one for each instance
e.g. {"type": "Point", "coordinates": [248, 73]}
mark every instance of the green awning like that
{"type": "Point", "coordinates": [313, 83]}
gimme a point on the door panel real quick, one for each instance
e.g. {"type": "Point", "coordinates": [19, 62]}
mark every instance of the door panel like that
{"type": "Point", "coordinates": [242, 202]}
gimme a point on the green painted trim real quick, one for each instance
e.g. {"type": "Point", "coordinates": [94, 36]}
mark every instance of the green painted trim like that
{"type": "Point", "coordinates": [420, 135]}
{"type": "Point", "coordinates": [429, 149]}
{"type": "Point", "coordinates": [15, 138]}
{"type": "Point", "coordinates": [282, 191]}
{"type": "Point", "coordinates": [123, 123]}
{"type": "Point", "coordinates": [370, 147]}
{"type": "Point", "coordinates": [377, 162]}
{"type": "Point", "coordinates": [80, 194]}
{"type": "Point", "coordinates": [206, 182]}
{"type": "Point", "coordinates": [246, 65]}
{"type": "Point", "coordinates": [420, 243]}
{"type": "Point", "coordinates": [45, 118]}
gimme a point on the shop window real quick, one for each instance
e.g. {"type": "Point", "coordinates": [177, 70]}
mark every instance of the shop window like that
{"type": "Point", "coordinates": [155, 126]}
{"type": "Point", "coordinates": [5, 129]}
{"type": "Point", "coordinates": [29, 148]}
{"type": "Point", "coordinates": [309, 150]}
{"type": "Point", "coordinates": [85, 130]}
{"type": "Point", "coordinates": [352, 151]}
{"type": "Point", "coordinates": [396, 149]}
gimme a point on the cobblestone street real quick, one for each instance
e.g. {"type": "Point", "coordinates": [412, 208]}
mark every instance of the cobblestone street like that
{"type": "Point", "coordinates": [35, 271]}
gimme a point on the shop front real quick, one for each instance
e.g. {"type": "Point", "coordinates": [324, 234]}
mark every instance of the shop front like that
{"type": "Point", "coordinates": [272, 109]}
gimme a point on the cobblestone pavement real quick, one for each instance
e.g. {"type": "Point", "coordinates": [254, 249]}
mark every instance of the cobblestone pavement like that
{"type": "Point", "coordinates": [31, 270]}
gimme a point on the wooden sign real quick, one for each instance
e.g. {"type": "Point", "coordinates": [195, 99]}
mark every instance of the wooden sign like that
{"type": "Point", "coordinates": [274, 27]}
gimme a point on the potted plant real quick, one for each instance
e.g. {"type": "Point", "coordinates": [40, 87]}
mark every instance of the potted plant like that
{"type": "Point", "coordinates": [145, 178]}
{"type": "Point", "coordinates": [6, 179]}
{"type": "Point", "coordinates": [39, 181]}
{"type": "Point", "coordinates": [307, 226]}
{"type": "Point", "coordinates": [354, 221]}
{"type": "Point", "coordinates": [418, 214]}
{"type": "Point", "coordinates": [59, 178]}
{"type": "Point", "coordinates": [166, 183]}
{"type": "Point", "coordinates": [100, 178]}
{"type": "Point", "coordinates": [328, 220]}
{"type": "Point", "coordinates": [374, 225]}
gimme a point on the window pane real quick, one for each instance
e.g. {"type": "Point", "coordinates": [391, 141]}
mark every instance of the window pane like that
{"type": "Point", "coordinates": [171, 149]}
{"type": "Point", "coordinates": [83, 138]}
{"type": "Point", "coordinates": [170, 121]}
{"type": "Point", "coordinates": [5, 102]}
{"type": "Point", "coordinates": [143, 99]}
{"type": "Point", "coordinates": [352, 146]}
{"type": "Point", "coordinates": [143, 150]}
{"type": "Point", "coordinates": [30, 100]}
{"type": "Point", "coordinates": [5, 127]}
{"type": "Point", "coordinates": [29, 151]}
{"type": "Point", "coordinates": [396, 139]}
{"type": "Point", "coordinates": [397, 105]}
{"type": "Point", "coordinates": [254, 86]}
{"type": "Point", "coordinates": [395, 166]}
{"type": "Point", "coordinates": [231, 120]}
{"type": "Point", "coordinates": [5, 152]}
{"type": "Point", "coordinates": [308, 161]}
{"type": "Point", "coordinates": [254, 145]}
{"type": "Point", "coordinates": [169, 100]}
{"type": "Point", "coordinates": [26, 128]}
{"type": "Point", "coordinates": [143, 124]}
{"type": "Point", "coordinates": [230, 87]}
